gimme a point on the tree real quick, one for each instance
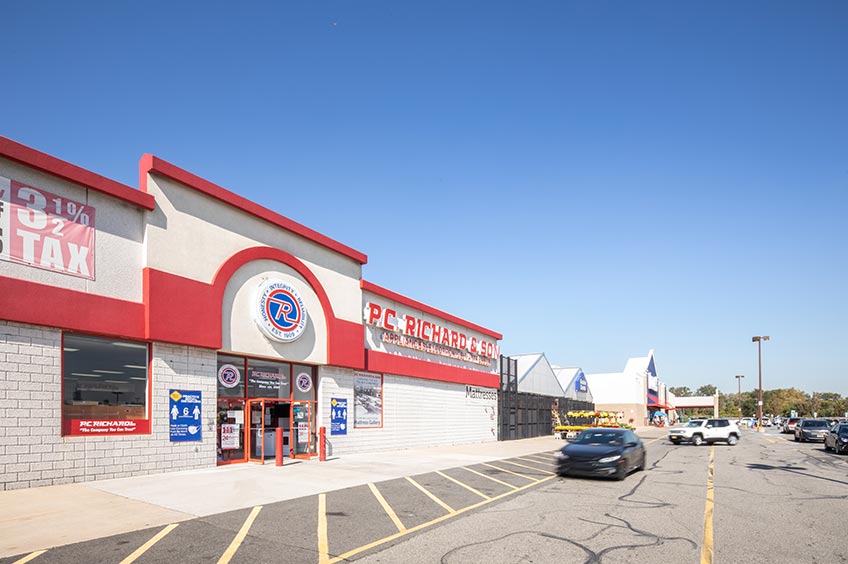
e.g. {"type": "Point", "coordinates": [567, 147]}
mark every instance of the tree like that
{"type": "Point", "coordinates": [681, 391]}
{"type": "Point", "coordinates": [706, 390]}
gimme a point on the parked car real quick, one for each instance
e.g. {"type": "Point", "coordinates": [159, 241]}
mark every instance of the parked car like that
{"type": "Point", "coordinates": [700, 431]}
{"type": "Point", "coordinates": [837, 438]}
{"type": "Point", "coordinates": [789, 424]}
{"type": "Point", "coordinates": [602, 452]}
{"type": "Point", "coordinates": [811, 430]}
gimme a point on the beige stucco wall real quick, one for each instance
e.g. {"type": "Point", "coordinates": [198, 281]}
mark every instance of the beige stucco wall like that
{"type": "Point", "coordinates": [118, 239]}
{"type": "Point", "coordinates": [191, 234]}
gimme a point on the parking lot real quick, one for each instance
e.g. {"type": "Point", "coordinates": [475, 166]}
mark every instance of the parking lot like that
{"type": "Point", "coordinates": [692, 504]}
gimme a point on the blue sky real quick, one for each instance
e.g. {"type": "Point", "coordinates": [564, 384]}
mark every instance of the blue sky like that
{"type": "Point", "coordinates": [591, 179]}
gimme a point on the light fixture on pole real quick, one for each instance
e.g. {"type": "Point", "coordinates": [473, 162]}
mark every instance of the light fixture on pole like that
{"type": "Point", "coordinates": [759, 341]}
{"type": "Point", "coordinates": [739, 383]}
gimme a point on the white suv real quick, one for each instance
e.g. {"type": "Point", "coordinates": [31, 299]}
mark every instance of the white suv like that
{"type": "Point", "coordinates": [700, 431]}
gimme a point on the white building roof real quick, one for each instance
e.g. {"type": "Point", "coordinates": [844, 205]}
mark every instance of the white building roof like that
{"type": "Point", "coordinates": [536, 376]}
{"type": "Point", "coordinates": [567, 378]}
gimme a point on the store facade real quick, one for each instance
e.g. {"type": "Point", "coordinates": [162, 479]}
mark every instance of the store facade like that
{"type": "Point", "coordinates": [180, 325]}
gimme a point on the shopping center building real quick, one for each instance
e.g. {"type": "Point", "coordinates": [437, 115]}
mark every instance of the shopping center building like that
{"type": "Point", "coordinates": [178, 325]}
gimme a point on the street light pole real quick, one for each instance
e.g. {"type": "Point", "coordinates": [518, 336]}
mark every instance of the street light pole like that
{"type": "Point", "coordinates": [759, 341]}
{"type": "Point", "coordinates": [739, 382]}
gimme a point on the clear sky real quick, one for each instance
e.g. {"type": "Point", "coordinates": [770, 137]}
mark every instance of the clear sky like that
{"type": "Point", "coordinates": [591, 179]}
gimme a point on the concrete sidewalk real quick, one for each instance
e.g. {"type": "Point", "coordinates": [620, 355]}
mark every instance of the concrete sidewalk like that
{"type": "Point", "coordinates": [41, 518]}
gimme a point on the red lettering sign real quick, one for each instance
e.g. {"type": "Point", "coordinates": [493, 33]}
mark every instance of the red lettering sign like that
{"type": "Point", "coordinates": [41, 229]}
{"type": "Point", "coordinates": [92, 427]}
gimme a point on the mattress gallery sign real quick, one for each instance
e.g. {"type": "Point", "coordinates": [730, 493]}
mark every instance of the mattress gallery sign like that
{"type": "Point", "coordinates": [412, 332]}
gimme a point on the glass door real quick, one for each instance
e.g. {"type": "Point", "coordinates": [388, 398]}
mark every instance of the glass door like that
{"type": "Point", "coordinates": [256, 431]}
{"type": "Point", "coordinates": [301, 432]}
{"type": "Point", "coordinates": [230, 431]}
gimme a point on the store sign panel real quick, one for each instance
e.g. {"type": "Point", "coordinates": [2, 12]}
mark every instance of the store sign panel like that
{"type": "Point", "coordinates": [106, 426]}
{"type": "Point", "coordinates": [44, 230]}
{"type": "Point", "coordinates": [184, 415]}
{"type": "Point", "coordinates": [367, 400]}
{"type": "Point", "coordinates": [581, 386]}
{"type": "Point", "coordinates": [338, 416]}
{"type": "Point", "coordinates": [267, 383]}
{"type": "Point", "coordinates": [409, 331]}
{"type": "Point", "coordinates": [478, 395]}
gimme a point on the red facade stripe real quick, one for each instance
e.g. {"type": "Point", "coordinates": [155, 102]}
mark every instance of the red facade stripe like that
{"type": "Point", "coordinates": [409, 302]}
{"type": "Point", "coordinates": [376, 361]}
{"type": "Point", "coordinates": [152, 164]}
{"type": "Point", "coordinates": [39, 304]}
{"type": "Point", "coordinates": [17, 152]}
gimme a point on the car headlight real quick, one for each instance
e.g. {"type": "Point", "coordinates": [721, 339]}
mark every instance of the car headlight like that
{"type": "Point", "coordinates": [610, 458]}
{"type": "Point", "coordinates": [843, 439]}
{"type": "Point", "coordinates": [562, 456]}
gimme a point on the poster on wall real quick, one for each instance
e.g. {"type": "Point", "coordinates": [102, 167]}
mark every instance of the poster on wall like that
{"type": "Point", "coordinates": [45, 230]}
{"type": "Point", "coordinates": [184, 411]}
{"type": "Point", "coordinates": [367, 400]}
{"type": "Point", "coordinates": [338, 416]}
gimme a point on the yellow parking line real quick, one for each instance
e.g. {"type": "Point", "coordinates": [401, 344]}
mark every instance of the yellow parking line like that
{"type": "Point", "coordinates": [536, 458]}
{"type": "Point", "coordinates": [350, 553]}
{"type": "Point", "coordinates": [652, 441]}
{"type": "Point", "coordinates": [492, 479]}
{"type": "Point", "coordinates": [531, 460]}
{"type": "Point", "coordinates": [234, 546]}
{"type": "Point", "coordinates": [525, 466]}
{"type": "Point", "coordinates": [323, 542]}
{"type": "Point", "coordinates": [387, 508]}
{"type": "Point", "coordinates": [508, 471]}
{"type": "Point", "coordinates": [707, 544]}
{"type": "Point", "coordinates": [430, 495]}
{"type": "Point", "coordinates": [458, 483]}
{"type": "Point", "coordinates": [29, 557]}
{"type": "Point", "coordinates": [143, 548]}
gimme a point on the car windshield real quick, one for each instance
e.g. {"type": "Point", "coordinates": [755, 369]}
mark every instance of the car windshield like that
{"type": "Point", "coordinates": [815, 424]}
{"type": "Point", "coordinates": [598, 438]}
{"type": "Point", "coordinates": [694, 423]}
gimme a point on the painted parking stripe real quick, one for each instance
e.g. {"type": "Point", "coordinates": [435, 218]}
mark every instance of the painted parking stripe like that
{"type": "Point", "coordinates": [532, 460]}
{"type": "Point", "coordinates": [323, 539]}
{"type": "Point", "coordinates": [234, 546]}
{"type": "Point", "coordinates": [387, 508]}
{"type": "Point", "coordinates": [431, 495]}
{"type": "Point", "coordinates": [466, 486]}
{"type": "Point", "coordinates": [29, 557]}
{"type": "Point", "coordinates": [538, 457]}
{"type": "Point", "coordinates": [350, 553]}
{"type": "Point", "coordinates": [491, 478]}
{"type": "Point", "coordinates": [525, 466]}
{"type": "Point", "coordinates": [707, 544]}
{"type": "Point", "coordinates": [146, 546]}
{"type": "Point", "coordinates": [508, 471]}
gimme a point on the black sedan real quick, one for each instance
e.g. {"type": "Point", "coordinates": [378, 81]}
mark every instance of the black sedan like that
{"type": "Point", "coordinates": [811, 430]}
{"type": "Point", "coordinates": [837, 438]}
{"type": "Point", "coordinates": [602, 452]}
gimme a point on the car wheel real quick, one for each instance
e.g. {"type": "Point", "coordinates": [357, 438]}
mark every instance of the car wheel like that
{"type": "Point", "coordinates": [826, 448]}
{"type": "Point", "coordinates": [675, 442]}
{"type": "Point", "coordinates": [621, 471]}
{"type": "Point", "coordinates": [732, 440]}
{"type": "Point", "coordinates": [697, 440]}
{"type": "Point", "coordinates": [796, 438]}
{"type": "Point", "coordinates": [642, 464]}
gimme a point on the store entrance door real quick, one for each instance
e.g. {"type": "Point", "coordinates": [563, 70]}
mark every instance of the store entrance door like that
{"type": "Point", "coordinates": [265, 417]}
{"type": "Point", "coordinates": [303, 443]}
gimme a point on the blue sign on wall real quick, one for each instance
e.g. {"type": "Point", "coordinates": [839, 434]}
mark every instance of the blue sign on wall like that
{"type": "Point", "coordinates": [580, 384]}
{"type": "Point", "coordinates": [184, 415]}
{"type": "Point", "coordinates": [338, 416]}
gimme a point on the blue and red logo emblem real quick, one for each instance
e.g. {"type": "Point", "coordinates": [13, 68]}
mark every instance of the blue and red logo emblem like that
{"type": "Point", "coordinates": [229, 376]}
{"type": "Point", "coordinates": [280, 313]}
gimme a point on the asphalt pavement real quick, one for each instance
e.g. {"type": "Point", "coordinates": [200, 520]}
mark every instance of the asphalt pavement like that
{"type": "Point", "coordinates": [41, 518]}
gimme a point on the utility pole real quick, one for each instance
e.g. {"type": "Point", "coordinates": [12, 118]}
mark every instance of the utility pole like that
{"type": "Point", "coordinates": [759, 340]}
{"type": "Point", "coordinates": [739, 385]}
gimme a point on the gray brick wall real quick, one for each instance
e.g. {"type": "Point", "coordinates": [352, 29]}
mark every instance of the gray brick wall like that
{"type": "Point", "coordinates": [32, 449]}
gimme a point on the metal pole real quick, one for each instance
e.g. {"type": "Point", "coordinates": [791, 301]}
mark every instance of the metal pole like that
{"type": "Point", "coordinates": [760, 391]}
{"type": "Point", "coordinates": [739, 395]}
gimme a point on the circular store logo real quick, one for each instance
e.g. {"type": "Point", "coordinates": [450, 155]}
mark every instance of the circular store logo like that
{"type": "Point", "coordinates": [304, 382]}
{"type": "Point", "coordinates": [229, 376]}
{"type": "Point", "coordinates": [280, 312]}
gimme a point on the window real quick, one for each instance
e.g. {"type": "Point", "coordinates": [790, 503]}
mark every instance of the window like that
{"type": "Point", "coordinates": [104, 386]}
